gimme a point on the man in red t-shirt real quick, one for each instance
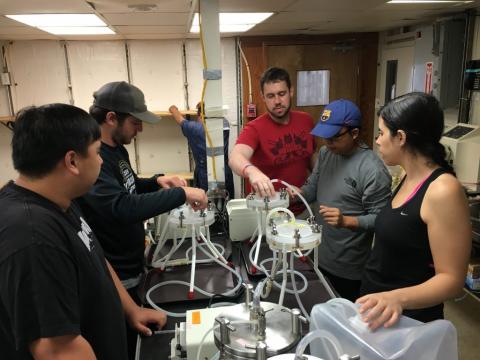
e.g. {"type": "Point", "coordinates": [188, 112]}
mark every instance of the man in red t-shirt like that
{"type": "Point", "coordinates": [277, 144]}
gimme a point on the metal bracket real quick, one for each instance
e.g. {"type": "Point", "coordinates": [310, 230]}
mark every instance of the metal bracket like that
{"type": "Point", "coordinates": [212, 74]}
{"type": "Point", "coordinates": [215, 151]}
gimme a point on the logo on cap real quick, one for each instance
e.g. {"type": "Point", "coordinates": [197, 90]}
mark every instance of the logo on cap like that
{"type": "Point", "coordinates": [325, 115]}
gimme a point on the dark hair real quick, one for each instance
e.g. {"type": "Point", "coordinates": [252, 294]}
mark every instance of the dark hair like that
{"type": "Point", "coordinates": [199, 108]}
{"type": "Point", "coordinates": [421, 117]}
{"type": "Point", "coordinates": [43, 135]}
{"type": "Point", "coordinates": [275, 74]}
{"type": "Point", "coordinates": [100, 114]}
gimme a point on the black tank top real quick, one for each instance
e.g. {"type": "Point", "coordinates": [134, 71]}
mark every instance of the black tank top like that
{"type": "Point", "coordinates": [401, 256]}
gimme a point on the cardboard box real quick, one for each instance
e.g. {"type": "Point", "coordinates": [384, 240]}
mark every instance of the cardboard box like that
{"type": "Point", "coordinates": [473, 284]}
{"type": "Point", "coordinates": [473, 274]}
{"type": "Point", "coordinates": [474, 269]}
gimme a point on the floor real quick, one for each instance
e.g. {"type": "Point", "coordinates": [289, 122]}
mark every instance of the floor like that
{"type": "Point", "coordinates": [464, 313]}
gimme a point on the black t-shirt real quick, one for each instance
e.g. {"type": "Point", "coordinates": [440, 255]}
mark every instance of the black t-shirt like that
{"type": "Point", "coordinates": [118, 204]}
{"type": "Point", "coordinates": [53, 278]}
{"type": "Point", "coordinates": [401, 256]}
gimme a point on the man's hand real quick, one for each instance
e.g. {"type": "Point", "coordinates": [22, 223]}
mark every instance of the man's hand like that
{"type": "Point", "coordinates": [335, 217]}
{"type": "Point", "coordinates": [293, 194]}
{"type": "Point", "coordinates": [172, 109]}
{"type": "Point", "coordinates": [168, 182]}
{"type": "Point", "coordinates": [260, 182]}
{"type": "Point", "coordinates": [141, 317]}
{"type": "Point", "coordinates": [332, 216]}
{"type": "Point", "coordinates": [196, 198]}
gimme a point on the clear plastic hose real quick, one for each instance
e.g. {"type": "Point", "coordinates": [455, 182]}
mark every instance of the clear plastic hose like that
{"type": "Point", "coordinates": [316, 335]}
{"type": "Point", "coordinates": [296, 192]}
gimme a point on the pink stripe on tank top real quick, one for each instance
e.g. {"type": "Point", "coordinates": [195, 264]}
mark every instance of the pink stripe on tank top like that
{"type": "Point", "coordinates": [415, 190]}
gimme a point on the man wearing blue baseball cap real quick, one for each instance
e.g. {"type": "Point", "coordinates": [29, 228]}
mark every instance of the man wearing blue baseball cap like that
{"type": "Point", "coordinates": [350, 184]}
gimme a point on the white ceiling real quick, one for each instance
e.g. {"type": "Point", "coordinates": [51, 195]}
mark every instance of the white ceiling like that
{"type": "Point", "coordinates": [169, 19]}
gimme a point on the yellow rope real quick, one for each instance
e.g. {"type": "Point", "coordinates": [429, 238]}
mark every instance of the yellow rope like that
{"type": "Point", "coordinates": [202, 102]}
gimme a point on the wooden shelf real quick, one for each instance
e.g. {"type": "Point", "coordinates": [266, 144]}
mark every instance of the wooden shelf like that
{"type": "Point", "coordinates": [6, 119]}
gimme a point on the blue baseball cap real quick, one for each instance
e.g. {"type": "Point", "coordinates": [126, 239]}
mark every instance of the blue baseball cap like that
{"type": "Point", "coordinates": [335, 115]}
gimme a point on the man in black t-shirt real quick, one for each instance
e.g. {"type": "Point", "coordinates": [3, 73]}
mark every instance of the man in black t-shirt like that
{"type": "Point", "coordinates": [120, 201]}
{"type": "Point", "coordinates": [58, 295]}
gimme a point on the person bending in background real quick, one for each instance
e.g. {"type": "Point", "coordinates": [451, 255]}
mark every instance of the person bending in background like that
{"type": "Point", "coordinates": [120, 201]}
{"type": "Point", "coordinates": [59, 297]}
{"type": "Point", "coordinates": [277, 144]}
{"type": "Point", "coordinates": [423, 236]}
{"type": "Point", "coordinates": [351, 185]}
{"type": "Point", "coordinates": [194, 131]}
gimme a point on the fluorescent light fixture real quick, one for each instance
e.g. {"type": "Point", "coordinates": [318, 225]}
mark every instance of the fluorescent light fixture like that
{"type": "Point", "coordinates": [65, 24]}
{"type": "Point", "coordinates": [77, 30]}
{"type": "Point", "coordinates": [429, 1]}
{"type": "Point", "coordinates": [234, 22]}
{"type": "Point", "coordinates": [38, 20]}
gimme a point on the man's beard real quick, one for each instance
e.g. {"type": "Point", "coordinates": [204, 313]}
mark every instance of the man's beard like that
{"type": "Point", "coordinates": [283, 118]}
{"type": "Point", "coordinates": [120, 139]}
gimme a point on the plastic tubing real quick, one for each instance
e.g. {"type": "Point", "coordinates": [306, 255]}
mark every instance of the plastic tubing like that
{"type": "Point", "coordinates": [276, 210]}
{"type": "Point", "coordinates": [325, 283]}
{"type": "Point", "coordinates": [164, 231]}
{"type": "Point", "coordinates": [284, 282]}
{"type": "Point", "coordinates": [205, 261]}
{"type": "Point", "coordinates": [259, 238]}
{"type": "Point", "coordinates": [163, 261]}
{"type": "Point", "coordinates": [315, 335]}
{"type": "Point", "coordinates": [206, 239]}
{"type": "Point", "coordinates": [294, 285]}
{"type": "Point", "coordinates": [196, 288]}
{"type": "Point", "coordinates": [239, 277]}
{"type": "Point", "coordinates": [258, 292]}
{"type": "Point", "coordinates": [212, 248]}
{"type": "Point", "coordinates": [204, 338]}
{"type": "Point", "coordinates": [296, 192]}
{"type": "Point", "coordinates": [278, 285]}
{"type": "Point", "coordinates": [194, 259]}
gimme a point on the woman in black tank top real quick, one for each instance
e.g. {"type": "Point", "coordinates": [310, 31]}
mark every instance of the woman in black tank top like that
{"type": "Point", "coordinates": [423, 236]}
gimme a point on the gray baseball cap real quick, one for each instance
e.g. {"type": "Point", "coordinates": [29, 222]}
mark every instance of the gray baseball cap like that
{"type": "Point", "coordinates": [125, 98]}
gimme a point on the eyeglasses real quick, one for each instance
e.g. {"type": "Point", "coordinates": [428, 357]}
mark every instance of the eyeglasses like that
{"type": "Point", "coordinates": [338, 136]}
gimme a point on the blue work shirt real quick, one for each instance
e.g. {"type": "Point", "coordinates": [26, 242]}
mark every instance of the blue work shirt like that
{"type": "Point", "coordinates": [195, 134]}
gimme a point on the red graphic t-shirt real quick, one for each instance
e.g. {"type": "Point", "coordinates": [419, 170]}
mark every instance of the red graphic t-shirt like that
{"type": "Point", "coordinates": [281, 151]}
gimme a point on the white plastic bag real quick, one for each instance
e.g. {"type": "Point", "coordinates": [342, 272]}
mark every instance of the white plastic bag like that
{"type": "Point", "coordinates": [408, 339]}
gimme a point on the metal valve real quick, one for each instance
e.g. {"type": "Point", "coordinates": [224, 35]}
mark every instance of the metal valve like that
{"type": "Point", "coordinates": [210, 206]}
{"type": "Point", "coordinates": [266, 200]}
{"type": "Point", "coordinates": [181, 217]}
{"type": "Point", "coordinates": [316, 228]}
{"type": "Point", "coordinates": [274, 229]}
{"type": "Point", "coordinates": [225, 329]}
{"type": "Point", "coordinates": [297, 237]}
{"type": "Point", "coordinates": [248, 294]}
{"type": "Point", "coordinates": [297, 319]}
{"type": "Point", "coordinates": [260, 350]}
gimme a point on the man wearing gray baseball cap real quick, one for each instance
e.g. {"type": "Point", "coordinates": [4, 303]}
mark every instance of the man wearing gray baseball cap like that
{"type": "Point", "coordinates": [123, 97]}
{"type": "Point", "coordinates": [120, 201]}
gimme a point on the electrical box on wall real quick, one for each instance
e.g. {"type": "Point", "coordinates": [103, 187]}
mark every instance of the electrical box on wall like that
{"type": "Point", "coordinates": [251, 111]}
{"type": "Point", "coordinates": [472, 75]}
{"type": "Point", "coordinates": [5, 78]}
